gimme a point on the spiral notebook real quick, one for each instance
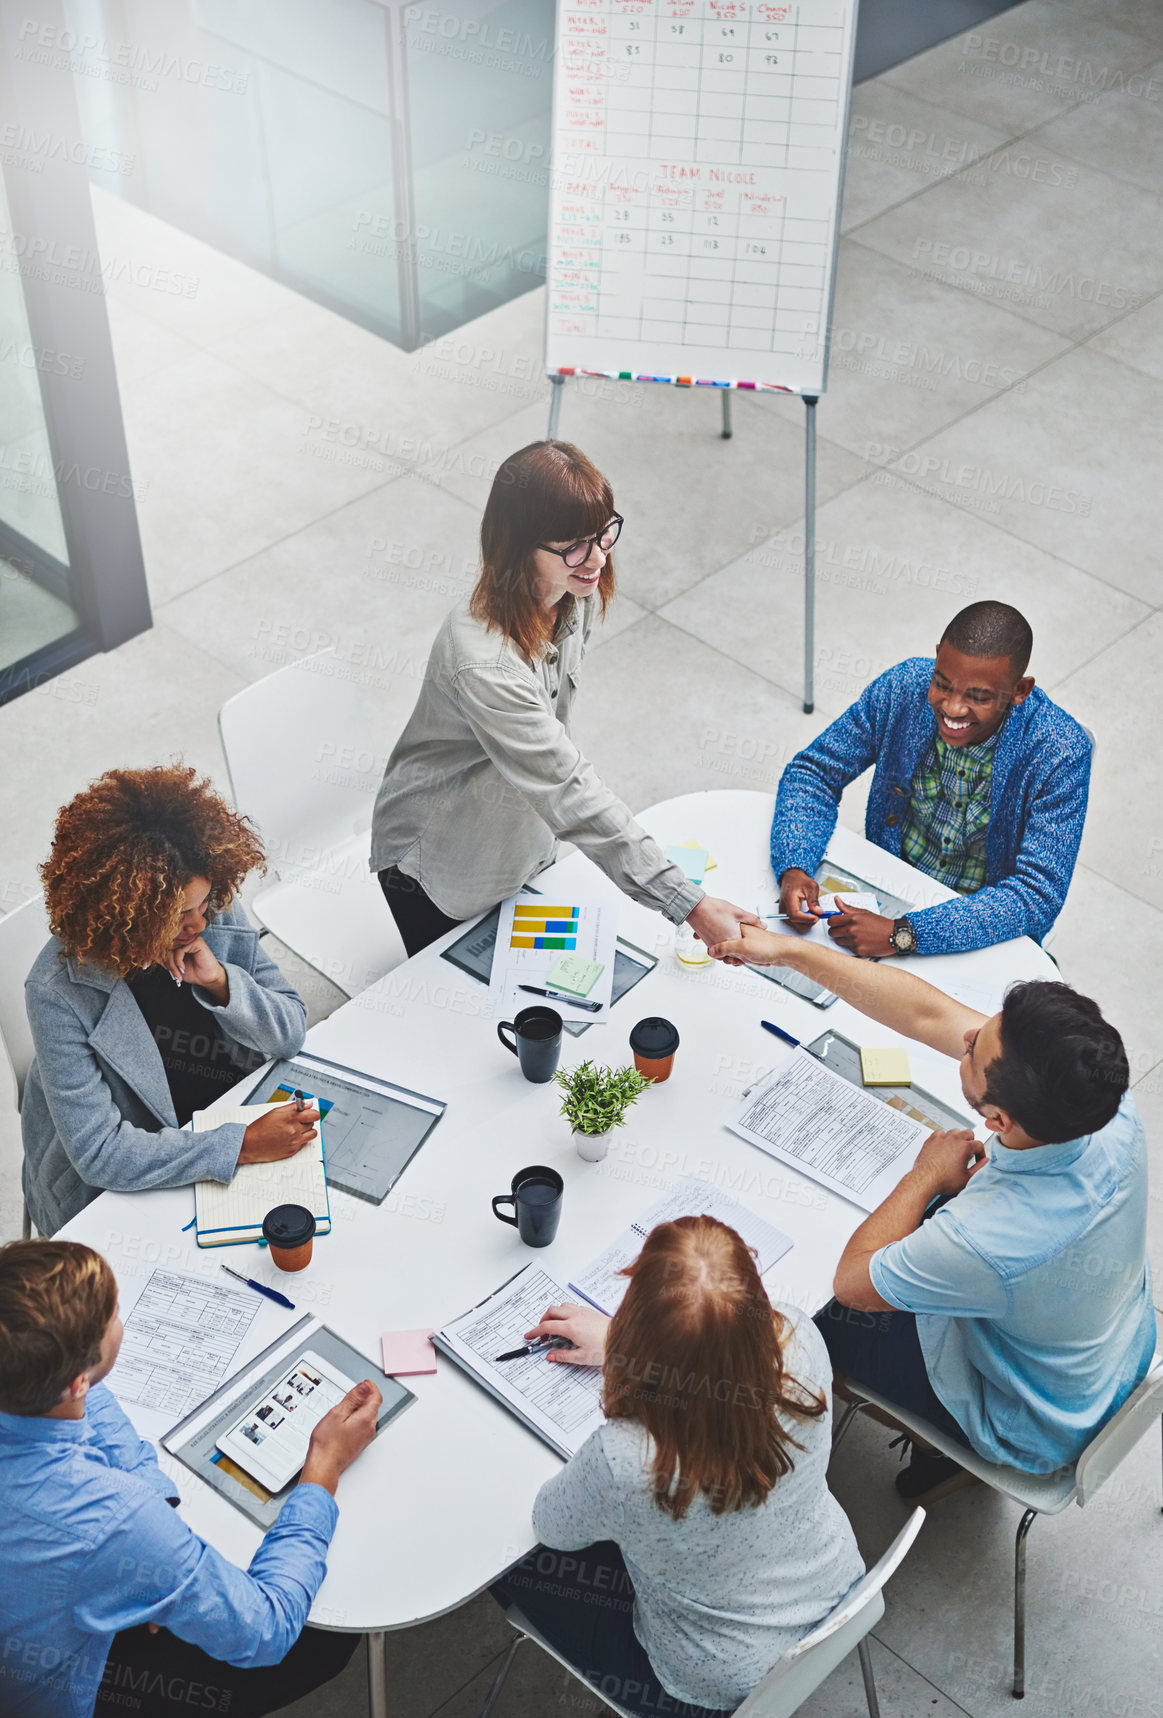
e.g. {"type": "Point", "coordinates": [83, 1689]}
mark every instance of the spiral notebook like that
{"type": "Point", "coordinates": [229, 1212]}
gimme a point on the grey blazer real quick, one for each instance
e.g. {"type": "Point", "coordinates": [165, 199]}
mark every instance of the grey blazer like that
{"type": "Point", "coordinates": [97, 1111]}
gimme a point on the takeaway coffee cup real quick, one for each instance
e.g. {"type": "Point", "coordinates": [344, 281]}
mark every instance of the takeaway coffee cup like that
{"type": "Point", "coordinates": [654, 1042]}
{"type": "Point", "coordinates": [536, 1201]}
{"type": "Point", "coordinates": [289, 1232]}
{"type": "Point", "coordinates": [536, 1042]}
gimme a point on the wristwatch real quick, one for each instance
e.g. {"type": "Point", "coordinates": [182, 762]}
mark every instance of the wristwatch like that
{"type": "Point", "coordinates": [903, 937]}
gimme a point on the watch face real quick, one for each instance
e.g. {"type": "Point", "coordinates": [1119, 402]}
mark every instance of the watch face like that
{"type": "Point", "coordinates": [903, 939]}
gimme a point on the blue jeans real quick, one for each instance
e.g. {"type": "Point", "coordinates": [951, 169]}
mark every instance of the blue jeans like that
{"type": "Point", "coordinates": [583, 1603]}
{"type": "Point", "coordinates": [882, 1350]}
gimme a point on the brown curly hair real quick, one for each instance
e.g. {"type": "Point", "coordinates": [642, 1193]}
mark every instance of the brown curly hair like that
{"type": "Point", "coordinates": [124, 851]}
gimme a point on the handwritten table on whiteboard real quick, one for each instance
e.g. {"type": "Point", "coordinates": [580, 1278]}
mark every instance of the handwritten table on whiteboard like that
{"type": "Point", "coordinates": [699, 146]}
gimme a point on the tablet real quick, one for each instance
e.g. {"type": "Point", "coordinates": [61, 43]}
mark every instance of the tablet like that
{"type": "Point", "coordinates": [269, 1441]}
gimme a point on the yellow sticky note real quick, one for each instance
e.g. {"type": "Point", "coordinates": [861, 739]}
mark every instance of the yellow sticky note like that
{"type": "Point", "coordinates": [885, 1067]}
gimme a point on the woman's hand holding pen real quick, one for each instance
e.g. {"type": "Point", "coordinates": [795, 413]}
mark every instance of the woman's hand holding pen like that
{"type": "Point", "coordinates": [584, 1326]}
{"type": "Point", "coordinates": [280, 1132]}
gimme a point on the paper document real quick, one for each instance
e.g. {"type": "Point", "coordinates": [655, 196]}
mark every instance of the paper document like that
{"type": "Point", "coordinates": [602, 1283]}
{"type": "Point", "coordinates": [180, 1339]}
{"type": "Point", "coordinates": [533, 933]}
{"type": "Point", "coordinates": [231, 1211]}
{"type": "Point", "coordinates": [831, 1130]}
{"type": "Point", "coordinates": [561, 1403]}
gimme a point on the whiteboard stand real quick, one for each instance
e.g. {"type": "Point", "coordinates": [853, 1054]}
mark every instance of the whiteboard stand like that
{"type": "Point", "coordinates": [810, 403]}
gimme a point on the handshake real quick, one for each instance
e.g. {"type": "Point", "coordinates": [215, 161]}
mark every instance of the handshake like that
{"type": "Point", "coordinates": [738, 937]}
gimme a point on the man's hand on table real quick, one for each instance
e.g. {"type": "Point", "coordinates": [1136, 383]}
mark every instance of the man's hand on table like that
{"type": "Point", "coordinates": [798, 895]}
{"type": "Point", "coordinates": [341, 1435]}
{"type": "Point", "coordinates": [584, 1326]}
{"type": "Point", "coordinates": [948, 1161]}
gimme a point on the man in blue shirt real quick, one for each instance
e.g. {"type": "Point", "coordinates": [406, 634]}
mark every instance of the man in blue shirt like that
{"type": "Point", "coordinates": [96, 1561]}
{"type": "Point", "coordinates": [979, 780]}
{"type": "Point", "coordinates": [1001, 1293]}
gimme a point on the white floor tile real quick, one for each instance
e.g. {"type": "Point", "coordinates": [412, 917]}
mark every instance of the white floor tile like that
{"type": "Point", "coordinates": [898, 144]}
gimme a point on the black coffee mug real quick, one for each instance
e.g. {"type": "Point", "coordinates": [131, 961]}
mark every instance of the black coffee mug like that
{"type": "Point", "coordinates": [537, 1042]}
{"type": "Point", "coordinates": [536, 1200]}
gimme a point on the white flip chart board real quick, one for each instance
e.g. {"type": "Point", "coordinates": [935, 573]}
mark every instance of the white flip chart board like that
{"type": "Point", "coordinates": [698, 166]}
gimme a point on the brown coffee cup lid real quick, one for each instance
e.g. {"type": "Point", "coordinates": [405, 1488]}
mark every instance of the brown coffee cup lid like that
{"type": "Point", "coordinates": [654, 1038]}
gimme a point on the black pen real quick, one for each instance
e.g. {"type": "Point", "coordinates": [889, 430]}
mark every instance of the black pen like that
{"type": "Point", "coordinates": [560, 996]}
{"type": "Point", "coordinates": [271, 1294]}
{"type": "Point", "coordinates": [540, 1347]}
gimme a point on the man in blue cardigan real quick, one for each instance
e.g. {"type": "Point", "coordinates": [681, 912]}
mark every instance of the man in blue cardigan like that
{"type": "Point", "coordinates": [981, 782]}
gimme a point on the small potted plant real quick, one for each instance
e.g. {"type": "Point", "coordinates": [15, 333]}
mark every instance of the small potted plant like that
{"type": "Point", "coordinates": [595, 1102]}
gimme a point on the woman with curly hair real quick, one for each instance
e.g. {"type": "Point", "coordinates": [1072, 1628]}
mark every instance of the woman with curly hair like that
{"type": "Point", "coordinates": [703, 1540]}
{"type": "Point", "coordinates": [151, 999]}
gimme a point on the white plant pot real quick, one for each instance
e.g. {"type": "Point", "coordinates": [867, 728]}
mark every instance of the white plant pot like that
{"type": "Point", "coordinates": [592, 1147]}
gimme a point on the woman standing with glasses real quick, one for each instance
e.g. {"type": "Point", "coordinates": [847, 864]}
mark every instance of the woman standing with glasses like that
{"type": "Point", "coordinates": [485, 779]}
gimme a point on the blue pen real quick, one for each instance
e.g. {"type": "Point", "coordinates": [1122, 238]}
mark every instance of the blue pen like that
{"type": "Point", "coordinates": [780, 1033]}
{"type": "Point", "coordinates": [271, 1294]}
{"type": "Point", "coordinates": [835, 914]}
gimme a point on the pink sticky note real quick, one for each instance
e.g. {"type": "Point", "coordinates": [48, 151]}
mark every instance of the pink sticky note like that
{"type": "Point", "coordinates": [407, 1352]}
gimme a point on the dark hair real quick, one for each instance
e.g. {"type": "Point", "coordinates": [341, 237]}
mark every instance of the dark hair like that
{"type": "Point", "coordinates": [1062, 1070]}
{"type": "Point", "coordinates": [548, 492]}
{"type": "Point", "coordinates": [989, 629]}
{"type": "Point", "coordinates": [694, 1355]}
{"type": "Point", "coordinates": [124, 850]}
{"type": "Point", "coordinates": [56, 1301]}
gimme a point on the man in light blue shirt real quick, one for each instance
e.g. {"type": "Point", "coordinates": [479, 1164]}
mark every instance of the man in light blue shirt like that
{"type": "Point", "coordinates": [94, 1550]}
{"type": "Point", "coordinates": [1003, 1294]}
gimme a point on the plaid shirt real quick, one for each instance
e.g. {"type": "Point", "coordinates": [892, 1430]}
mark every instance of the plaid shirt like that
{"type": "Point", "coordinates": [945, 826]}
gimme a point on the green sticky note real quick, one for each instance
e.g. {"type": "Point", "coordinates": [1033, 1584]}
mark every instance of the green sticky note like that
{"type": "Point", "coordinates": [575, 974]}
{"type": "Point", "coordinates": [692, 861]}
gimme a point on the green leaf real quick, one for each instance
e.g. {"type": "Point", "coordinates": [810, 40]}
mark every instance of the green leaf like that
{"type": "Point", "coordinates": [597, 1099]}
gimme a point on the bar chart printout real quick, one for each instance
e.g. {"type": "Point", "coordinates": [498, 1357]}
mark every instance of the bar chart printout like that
{"type": "Point", "coordinates": [699, 149]}
{"type": "Point", "coordinates": [533, 934]}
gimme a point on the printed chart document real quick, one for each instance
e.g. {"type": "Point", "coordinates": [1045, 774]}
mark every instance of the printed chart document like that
{"type": "Point", "coordinates": [533, 933]}
{"type": "Point", "coordinates": [830, 1130]}
{"type": "Point", "coordinates": [227, 1212]}
{"type": "Point", "coordinates": [602, 1283]}
{"type": "Point", "coordinates": [562, 1404]}
{"type": "Point", "coordinates": [180, 1339]}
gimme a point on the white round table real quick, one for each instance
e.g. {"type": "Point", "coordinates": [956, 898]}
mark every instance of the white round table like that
{"type": "Point", "coordinates": [441, 1502]}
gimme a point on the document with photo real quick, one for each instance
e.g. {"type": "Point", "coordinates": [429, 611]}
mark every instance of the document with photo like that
{"type": "Point", "coordinates": [270, 1440]}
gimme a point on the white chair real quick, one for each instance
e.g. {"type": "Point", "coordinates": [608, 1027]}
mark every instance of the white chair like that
{"type": "Point", "coordinates": [801, 1670]}
{"type": "Point", "coordinates": [302, 765]}
{"type": "Point", "coordinates": [1039, 1494]}
{"type": "Point", "coordinates": [23, 933]}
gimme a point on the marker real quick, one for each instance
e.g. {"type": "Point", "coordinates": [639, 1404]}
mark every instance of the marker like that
{"type": "Point", "coordinates": [541, 1346]}
{"type": "Point", "coordinates": [560, 996]}
{"type": "Point", "coordinates": [780, 1033]}
{"type": "Point", "coordinates": [271, 1294]}
{"type": "Point", "coordinates": [300, 1104]}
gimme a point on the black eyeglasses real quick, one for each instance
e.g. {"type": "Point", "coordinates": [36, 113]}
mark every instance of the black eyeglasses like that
{"type": "Point", "coordinates": [577, 554]}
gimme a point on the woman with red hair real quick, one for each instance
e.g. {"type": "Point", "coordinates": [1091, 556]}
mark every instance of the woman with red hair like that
{"type": "Point", "coordinates": [152, 998]}
{"type": "Point", "coordinates": [486, 779]}
{"type": "Point", "coordinates": [703, 1540]}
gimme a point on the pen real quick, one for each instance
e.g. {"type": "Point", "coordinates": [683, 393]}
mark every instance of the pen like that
{"type": "Point", "coordinates": [542, 1346]}
{"type": "Point", "coordinates": [780, 1033]}
{"type": "Point", "coordinates": [835, 914]}
{"type": "Point", "coordinates": [271, 1294]}
{"type": "Point", "coordinates": [300, 1100]}
{"type": "Point", "coordinates": [559, 996]}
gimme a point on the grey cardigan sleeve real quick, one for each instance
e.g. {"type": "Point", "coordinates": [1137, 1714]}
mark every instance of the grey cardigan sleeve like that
{"type": "Point", "coordinates": [264, 1012]}
{"type": "Point", "coordinates": [530, 748]}
{"type": "Point", "coordinates": [105, 1150]}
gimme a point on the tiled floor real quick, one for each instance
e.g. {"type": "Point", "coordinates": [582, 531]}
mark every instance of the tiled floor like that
{"type": "Point", "coordinates": [992, 427]}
